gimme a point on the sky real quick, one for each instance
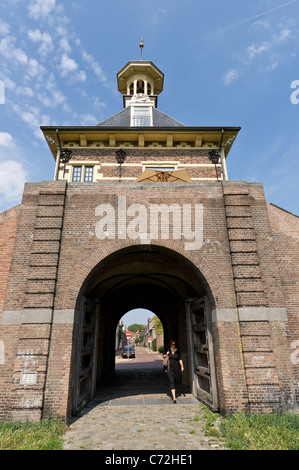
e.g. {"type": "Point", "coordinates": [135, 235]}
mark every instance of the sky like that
{"type": "Point", "coordinates": [138, 315]}
{"type": "Point", "coordinates": [230, 63]}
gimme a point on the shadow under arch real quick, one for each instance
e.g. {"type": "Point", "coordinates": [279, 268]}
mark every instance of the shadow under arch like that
{"type": "Point", "coordinates": [152, 277]}
{"type": "Point", "coordinates": [201, 270]}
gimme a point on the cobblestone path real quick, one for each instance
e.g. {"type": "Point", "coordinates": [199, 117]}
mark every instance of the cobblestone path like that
{"type": "Point", "coordinates": [140, 416]}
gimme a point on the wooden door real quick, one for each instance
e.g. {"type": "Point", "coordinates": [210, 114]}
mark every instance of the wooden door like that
{"type": "Point", "coordinates": [203, 375]}
{"type": "Point", "coordinates": [87, 346]}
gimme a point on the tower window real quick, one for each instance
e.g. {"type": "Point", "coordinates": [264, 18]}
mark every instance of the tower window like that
{"type": "Point", "coordinates": [88, 174]}
{"type": "Point", "coordinates": [132, 89]}
{"type": "Point", "coordinates": [77, 172]}
{"type": "Point", "coordinates": [141, 116]}
{"type": "Point", "coordinates": [85, 171]}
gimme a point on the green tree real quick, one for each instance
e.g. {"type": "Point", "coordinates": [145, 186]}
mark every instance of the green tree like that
{"type": "Point", "coordinates": [136, 327]}
{"type": "Point", "coordinates": [158, 325]}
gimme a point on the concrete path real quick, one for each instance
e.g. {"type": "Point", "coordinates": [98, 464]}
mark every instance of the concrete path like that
{"type": "Point", "coordinates": [134, 411]}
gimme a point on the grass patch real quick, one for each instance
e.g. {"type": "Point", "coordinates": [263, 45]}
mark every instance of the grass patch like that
{"type": "Point", "coordinates": [44, 435]}
{"type": "Point", "coordinates": [261, 432]}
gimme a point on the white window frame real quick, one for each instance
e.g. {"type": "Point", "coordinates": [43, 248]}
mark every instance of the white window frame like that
{"type": "Point", "coordinates": [160, 166]}
{"type": "Point", "coordinates": [140, 112]}
{"type": "Point", "coordinates": [87, 167]}
{"type": "Point", "coordinates": [83, 167]}
{"type": "Point", "coordinates": [73, 171]}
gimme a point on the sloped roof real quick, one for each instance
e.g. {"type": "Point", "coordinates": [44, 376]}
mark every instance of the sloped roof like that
{"type": "Point", "coordinates": [122, 119]}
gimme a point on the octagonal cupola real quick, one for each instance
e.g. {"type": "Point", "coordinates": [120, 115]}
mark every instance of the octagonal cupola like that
{"type": "Point", "coordinates": [140, 81]}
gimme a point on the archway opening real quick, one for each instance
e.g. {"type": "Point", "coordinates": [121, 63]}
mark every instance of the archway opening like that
{"type": "Point", "coordinates": [139, 344]}
{"type": "Point", "coordinates": [142, 276]}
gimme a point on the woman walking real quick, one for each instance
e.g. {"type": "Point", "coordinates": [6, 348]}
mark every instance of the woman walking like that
{"type": "Point", "coordinates": [175, 367]}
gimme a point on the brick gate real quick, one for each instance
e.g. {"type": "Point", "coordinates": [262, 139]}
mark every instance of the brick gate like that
{"type": "Point", "coordinates": [56, 350]}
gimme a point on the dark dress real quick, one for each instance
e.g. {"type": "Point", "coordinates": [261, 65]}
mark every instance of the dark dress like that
{"type": "Point", "coordinates": [174, 370]}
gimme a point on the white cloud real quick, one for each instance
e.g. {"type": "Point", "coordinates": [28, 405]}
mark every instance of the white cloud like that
{"type": "Point", "coordinates": [65, 45]}
{"type": "Point", "coordinates": [68, 68]}
{"type": "Point", "coordinates": [35, 69]}
{"type": "Point", "coordinates": [255, 50]}
{"type": "Point", "coordinates": [99, 105]}
{"type": "Point", "coordinates": [53, 98]}
{"type": "Point", "coordinates": [40, 8]}
{"type": "Point", "coordinates": [68, 65]}
{"type": "Point", "coordinates": [12, 180]}
{"type": "Point", "coordinates": [12, 173]}
{"type": "Point", "coordinates": [8, 83]}
{"type": "Point", "coordinates": [230, 76]}
{"type": "Point", "coordinates": [19, 58]}
{"type": "Point", "coordinates": [264, 23]}
{"type": "Point", "coordinates": [94, 65]}
{"type": "Point", "coordinates": [89, 120]}
{"type": "Point", "coordinates": [5, 139]}
{"type": "Point", "coordinates": [24, 91]}
{"type": "Point", "coordinates": [9, 51]}
{"type": "Point", "coordinates": [45, 40]}
{"type": "Point", "coordinates": [283, 35]}
{"type": "Point", "coordinates": [4, 28]}
{"type": "Point", "coordinates": [33, 118]}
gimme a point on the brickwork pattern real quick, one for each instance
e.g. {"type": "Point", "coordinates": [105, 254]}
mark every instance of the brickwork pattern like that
{"type": "Point", "coordinates": [285, 233]}
{"type": "Point", "coordinates": [132, 167]}
{"type": "Point", "coordinates": [56, 256]}
{"type": "Point", "coordinates": [8, 229]}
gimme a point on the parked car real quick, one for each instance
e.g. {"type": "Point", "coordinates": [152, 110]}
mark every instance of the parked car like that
{"type": "Point", "coordinates": [128, 351]}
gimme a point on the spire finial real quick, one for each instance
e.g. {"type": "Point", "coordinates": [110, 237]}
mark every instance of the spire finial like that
{"type": "Point", "coordinates": [141, 45]}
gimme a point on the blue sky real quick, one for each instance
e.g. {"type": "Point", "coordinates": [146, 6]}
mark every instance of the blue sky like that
{"type": "Point", "coordinates": [138, 315]}
{"type": "Point", "coordinates": [226, 64]}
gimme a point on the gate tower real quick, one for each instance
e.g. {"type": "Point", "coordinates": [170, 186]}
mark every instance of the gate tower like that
{"type": "Point", "coordinates": [141, 213]}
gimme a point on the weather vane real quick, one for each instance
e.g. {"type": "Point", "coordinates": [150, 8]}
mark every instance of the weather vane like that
{"type": "Point", "coordinates": [141, 45]}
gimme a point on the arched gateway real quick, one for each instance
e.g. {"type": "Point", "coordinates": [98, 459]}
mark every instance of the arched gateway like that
{"type": "Point", "coordinates": [141, 214]}
{"type": "Point", "coordinates": [160, 280]}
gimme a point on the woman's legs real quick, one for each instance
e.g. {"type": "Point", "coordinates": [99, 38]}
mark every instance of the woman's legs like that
{"type": "Point", "coordinates": [172, 385]}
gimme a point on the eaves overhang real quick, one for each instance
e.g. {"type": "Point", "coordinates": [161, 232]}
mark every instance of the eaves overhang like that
{"type": "Point", "coordinates": [88, 134]}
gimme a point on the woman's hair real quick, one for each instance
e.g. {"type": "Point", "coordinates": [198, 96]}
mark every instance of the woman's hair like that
{"type": "Point", "coordinates": [173, 341]}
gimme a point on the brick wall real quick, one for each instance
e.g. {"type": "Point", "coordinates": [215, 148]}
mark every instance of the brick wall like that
{"type": "Point", "coordinates": [243, 270]}
{"type": "Point", "coordinates": [8, 228]}
{"type": "Point", "coordinates": [196, 161]}
{"type": "Point", "coordinates": [285, 233]}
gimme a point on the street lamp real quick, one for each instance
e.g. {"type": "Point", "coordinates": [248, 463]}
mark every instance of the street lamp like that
{"type": "Point", "coordinates": [120, 158]}
{"type": "Point", "coordinates": [64, 154]}
{"type": "Point", "coordinates": [214, 155]}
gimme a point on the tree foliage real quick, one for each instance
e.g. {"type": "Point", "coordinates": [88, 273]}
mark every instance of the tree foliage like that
{"type": "Point", "coordinates": [136, 327]}
{"type": "Point", "coordinates": [158, 325]}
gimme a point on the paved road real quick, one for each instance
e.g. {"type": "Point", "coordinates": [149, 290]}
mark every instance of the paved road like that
{"type": "Point", "coordinates": [143, 359]}
{"type": "Point", "coordinates": [133, 410]}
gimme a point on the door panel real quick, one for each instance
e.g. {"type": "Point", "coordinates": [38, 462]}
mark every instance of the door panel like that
{"type": "Point", "coordinates": [202, 353]}
{"type": "Point", "coordinates": [86, 365]}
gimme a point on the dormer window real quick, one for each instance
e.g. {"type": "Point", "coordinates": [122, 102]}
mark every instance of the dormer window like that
{"type": "Point", "coordinates": [141, 116]}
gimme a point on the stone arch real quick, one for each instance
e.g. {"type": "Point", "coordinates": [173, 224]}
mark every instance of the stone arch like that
{"type": "Point", "coordinates": [85, 271]}
{"type": "Point", "coordinates": [158, 278]}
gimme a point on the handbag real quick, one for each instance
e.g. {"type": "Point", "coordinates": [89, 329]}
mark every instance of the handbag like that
{"type": "Point", "coordinates": [166, 361]}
